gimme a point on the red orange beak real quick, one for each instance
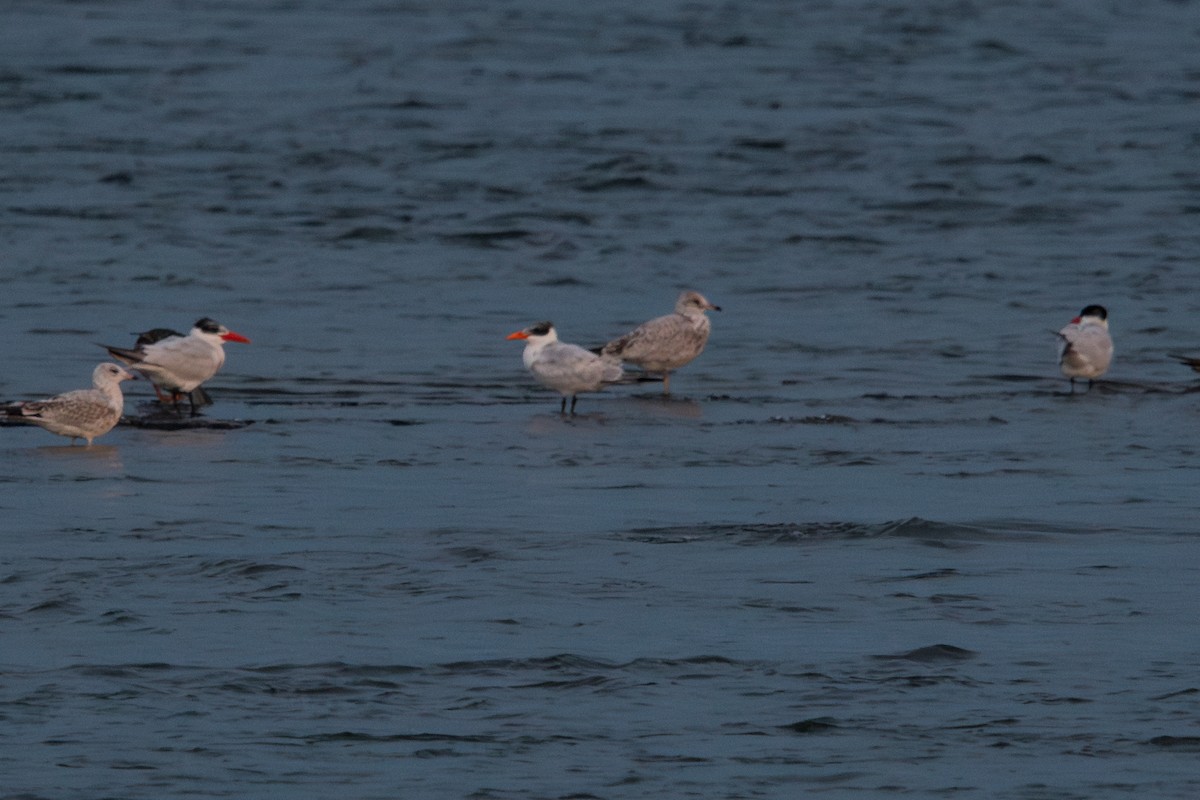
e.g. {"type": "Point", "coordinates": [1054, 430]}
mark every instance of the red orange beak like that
{"type": "Point", "coordinates": [234, 337]}
{"type": "Point", "coordinates": [518, 335]}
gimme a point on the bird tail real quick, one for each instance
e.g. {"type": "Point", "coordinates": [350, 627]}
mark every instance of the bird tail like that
{"type": "Point", "coordinates": [634, 378]}
{"type": "Point", "coordinates": [122, 354]}
{"type": "Point", "coordinates": [198, 397]}
{"type": "Point", "coordinates": [21, 410]}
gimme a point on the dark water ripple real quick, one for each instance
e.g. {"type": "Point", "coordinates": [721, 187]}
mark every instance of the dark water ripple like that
{"type": "Point", "coordinates": [868, 712]}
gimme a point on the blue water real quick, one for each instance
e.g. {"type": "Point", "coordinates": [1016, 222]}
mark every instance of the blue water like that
{"type": "Point", "coordinates": [869, 547]}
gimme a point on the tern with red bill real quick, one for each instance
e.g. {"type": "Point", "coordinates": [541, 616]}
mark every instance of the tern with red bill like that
{"type": "Point", "coordinates": [83, 413]}
{"type": "Point", "coordinates": [666, 343]}
{"type": "Point", "coordinates": [566, 368]}
{"type": "Point", "coordinates": [1085, 348]}
{"type": "Point", "coordinates": [178, 364]}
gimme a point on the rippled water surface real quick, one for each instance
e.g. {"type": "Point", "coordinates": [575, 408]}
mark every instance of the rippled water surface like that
{"type": "Point", "coordinates": [870, 546]}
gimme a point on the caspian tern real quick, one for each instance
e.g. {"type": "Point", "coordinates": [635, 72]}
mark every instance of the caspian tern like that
{"type": "Point", "coordinates": [666, 343]}
{"type": "Point", "coordinates": [178, 364]}
{"type": "Point", "coordinates": [196, 397]}
{"type": "Point", "coordinates": [566, 368]}
{"type": "Point", "coordinates": [1085, 347]}
{"type": "Point", "coordinates": [83, 413]}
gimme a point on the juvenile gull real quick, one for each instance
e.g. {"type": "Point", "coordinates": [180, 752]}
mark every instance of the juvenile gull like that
{"type": "Point", "coordinates": [1085, 347]}
{"type": "Point", "coordinates": [666, 343]}
{"type": "Point", "coordinates": [566, 368]}
{"type": "Point", "coordinates": [178, 364]}
{"type": "Point", "coordinates": [83, 413]}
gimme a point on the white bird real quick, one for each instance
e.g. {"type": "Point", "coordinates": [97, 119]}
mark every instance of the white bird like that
{"type": "Point", "coordinates": [83, 413]}
{"type": "Point", "coordinates": [1085, 347]}
{"type": "Point", "coordinates": [666, 343]}
{"type": "Point", "coordinates": [566, 368]}
{"type": "Point", "coordinates": [196, 397]}
{"type": "Point", "coordinates": [176, 363]}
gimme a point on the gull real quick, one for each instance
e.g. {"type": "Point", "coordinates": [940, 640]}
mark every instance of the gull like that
{"type": "Point", "coordinates": [178, 364]}
{"type": "Point", "coordinates": [566, 368]}
{"type": "Point", "coordinates": [666, 343]}
{"type": "Point", "coordinates": [1085, 347]}
{"type": "Point", "coordinates": [83, 413]}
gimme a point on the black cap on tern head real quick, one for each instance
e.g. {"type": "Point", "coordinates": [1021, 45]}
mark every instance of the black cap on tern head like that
{"type": "Point", "coordinates": [208, 325]}
{"type": "Point", "coordinates": [1094, 311]}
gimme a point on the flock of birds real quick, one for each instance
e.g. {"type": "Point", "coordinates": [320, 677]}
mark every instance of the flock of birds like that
{"type": "Point", "coordinates": [666, 343]}
{"type": "Point", "coordinates": [661, 346]}
{"type": "Point", "coordinates": [177, 364]}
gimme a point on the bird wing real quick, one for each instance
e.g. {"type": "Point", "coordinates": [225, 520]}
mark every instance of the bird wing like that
{"type": "Point", "coordinates": [672, 339]}
{"type": "Point", "coordinates": [182, 363]}
{"type": "Point", "coordinates": [644, 338]}
{"type": "Point", "coordinates": [78, 408]}
{"type": "Point", "coordinates": [569, 364]}
{"type": "Point", "coordinates": [1089, 344]}
{"type": "Point", "coordinates": [1064, 342]}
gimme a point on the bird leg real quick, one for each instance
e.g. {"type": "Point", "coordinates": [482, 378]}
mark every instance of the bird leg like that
{"type": "Point", "coordinates": [176, 397]}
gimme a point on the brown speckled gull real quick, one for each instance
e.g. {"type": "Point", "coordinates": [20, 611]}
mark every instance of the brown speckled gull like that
{"type": "Point", "coordinates": [666, 343]}
{"type": "Point", "coordinates": [83, 413]}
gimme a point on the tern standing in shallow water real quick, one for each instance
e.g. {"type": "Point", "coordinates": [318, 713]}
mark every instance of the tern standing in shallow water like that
{"type": "Point", "coordinates": [83, 413]}
{"type": "Point", "coordinates": [1085, 347]}
{"type": "Point", "coordinates": [197, 397]}
{"type": "Point", "coordinates": [566, 368]}
{"type": "Point", "coordinates": [179, 364]}
{"type": "Point", "coordinates": [667, 343]}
